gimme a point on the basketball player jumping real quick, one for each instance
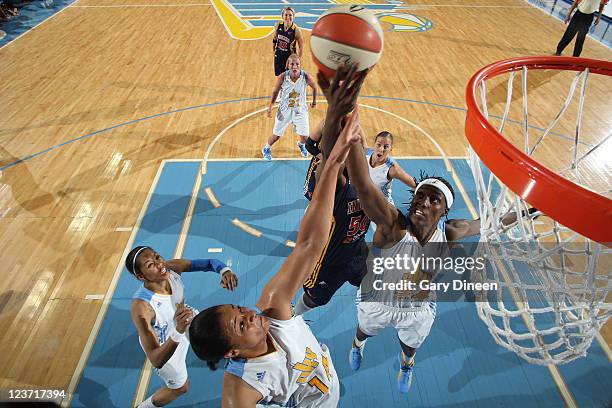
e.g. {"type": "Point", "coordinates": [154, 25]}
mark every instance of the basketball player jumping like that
{"type": "Point", "coordinates": [292, 108]}
{"type": "Point", "coordinates": [274, 357]}
{"type": "Point", "coordinates": [399, 234]}
{"type": "Point", "coordinates": [161, 317]}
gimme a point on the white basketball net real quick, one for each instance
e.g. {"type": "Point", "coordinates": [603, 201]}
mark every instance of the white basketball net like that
{"type": "Point", "coordinates": [554, 283]}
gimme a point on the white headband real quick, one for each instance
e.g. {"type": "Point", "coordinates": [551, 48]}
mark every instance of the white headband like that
{"type": "Point", "coordinates": [440, 186]}
{"type": "Point", "coordinates": [136, 256]}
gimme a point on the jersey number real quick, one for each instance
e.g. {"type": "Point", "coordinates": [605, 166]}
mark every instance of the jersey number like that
{"type": "Point", "coordinates": [357, 224]}
{"type": "Point", "coordinates": [308, 365]}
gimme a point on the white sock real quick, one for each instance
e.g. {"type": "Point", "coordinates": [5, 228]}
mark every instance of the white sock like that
{"type": "Point", "coordinates": [148, 403]}
{"type": "Point", "coordinates": [301, 144]}
{"type": "Point", "coordinates": [359, 343]}
{"type": "Point", "coordinates": [267, 146]}
{"type": "Point", "coordinates": [300, 307]}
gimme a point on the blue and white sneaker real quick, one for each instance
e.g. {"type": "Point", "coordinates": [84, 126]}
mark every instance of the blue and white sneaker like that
{"type": "Point", "coordinates": [267, 153]}
{"type": "Point", "coordinates": [303, 150]}
{"type": "Point", "coordinates": [355, 357]}
{"type": "Point", "coordinates": [404, 376]}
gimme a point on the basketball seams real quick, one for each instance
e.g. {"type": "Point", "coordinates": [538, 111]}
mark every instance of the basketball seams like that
{"type": "Point", "coordinates": [342, 31]}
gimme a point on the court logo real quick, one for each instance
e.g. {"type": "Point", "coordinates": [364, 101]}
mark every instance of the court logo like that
{"type": "Point", "coordinates": [255, 20]}
{"type": "Point", "coordinates": [337, 57]}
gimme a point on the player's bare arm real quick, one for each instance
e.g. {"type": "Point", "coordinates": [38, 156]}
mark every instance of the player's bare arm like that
{"type": "Point", "coordinates": [238, 394]}
{"type": "Point", "coordinates": [229, 280]}
{"type": "Point", "coordinates": [312, 85]}
{"type": "Point", "coordinates": [396, 172]}
{"type": "Point", "coordinates": [275, 92]}
{"type": "Point", "coordinates": [275, 39]}
{"type": "Point", "coordinates": [277, 295]}
{"type": "Point", "coordinates": [142, 316]}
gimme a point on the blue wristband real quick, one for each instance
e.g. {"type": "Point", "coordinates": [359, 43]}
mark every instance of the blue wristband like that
{"type": "Point", "coordinates": [207, 265]}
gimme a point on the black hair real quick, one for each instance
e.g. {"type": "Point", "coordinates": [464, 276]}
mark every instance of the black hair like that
{"type": "Point", "coordinates": [384, 133]}
{"type": "Point", "coordinates": [130, 262]}
{"type": "Point", "coordinates": [207, 339]}
{"type": "Point", "coordinates": [423, 176]}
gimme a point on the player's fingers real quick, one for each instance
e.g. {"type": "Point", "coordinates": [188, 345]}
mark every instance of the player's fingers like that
{"type": "Point", "coordinates": [322, 81]}
{"type": "Point", "coordinates": [348, 77]}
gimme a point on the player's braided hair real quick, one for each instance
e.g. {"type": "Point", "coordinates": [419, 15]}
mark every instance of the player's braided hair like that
{"type": "Point", "coordinates": [207, 338]}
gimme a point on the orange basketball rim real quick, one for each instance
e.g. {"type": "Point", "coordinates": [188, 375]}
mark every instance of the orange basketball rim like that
{"type": "Point", "coordinates": [553, 194]}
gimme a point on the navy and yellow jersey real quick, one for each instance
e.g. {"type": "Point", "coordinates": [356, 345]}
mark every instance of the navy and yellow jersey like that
{"type": "Point", "coordinates": [349, 227]}
{"type": "Point", "coordinates": [286, 38]}
{"type": "Point", "coordinates": [309, 183]}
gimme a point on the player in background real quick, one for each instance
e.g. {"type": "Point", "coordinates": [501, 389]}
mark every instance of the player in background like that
{"type": "Point", "coordinates": [287, 40]}
{"type": "Point", "coordinates": [292, 107]}
{"type": "Point", "coordinates": [161, 316]}
{"type": "Point", "coordinates": [382, 167]}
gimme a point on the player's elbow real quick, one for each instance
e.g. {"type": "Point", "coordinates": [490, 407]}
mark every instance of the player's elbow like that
{"type": "Point", "coordinates": [311, 244]}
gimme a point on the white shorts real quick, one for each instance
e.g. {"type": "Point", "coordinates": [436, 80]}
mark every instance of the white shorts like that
{"type": "Point", "coordinates": [299, 119]}
{"type": "Point", "coordinates": [174, 372]}
{"type": "Point", "coordinates": [412, 326]}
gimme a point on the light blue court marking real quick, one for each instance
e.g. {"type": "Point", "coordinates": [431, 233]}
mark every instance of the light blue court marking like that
{"type": "Point", "coordinates": [30, 16]}
{"type": "Point", "coordinates": [458, 366]}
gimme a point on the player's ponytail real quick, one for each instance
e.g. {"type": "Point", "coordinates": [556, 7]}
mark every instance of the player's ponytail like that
{"type": "Point", "coordinates": [207, 338]}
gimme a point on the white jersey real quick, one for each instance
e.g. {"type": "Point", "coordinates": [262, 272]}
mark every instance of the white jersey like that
{"type": "Point", "coordinates": [380, 175]}
{"type": "Point", "coordinates": [428, 260]}
{"type": "Point", "coordinates": [293, 94]}
{"type": "Point", "coordinates": [299, 373]}
{"type": "Point", "coordinates": [164, 306]}
{"type": "Point", "coordinates": [588, 6]}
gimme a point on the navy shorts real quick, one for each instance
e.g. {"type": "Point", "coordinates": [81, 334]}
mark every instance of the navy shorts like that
{"type": "Point", "coordinates": [329, 278]}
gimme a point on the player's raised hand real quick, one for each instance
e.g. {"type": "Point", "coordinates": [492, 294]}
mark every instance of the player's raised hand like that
{"type": "Point", "coordinates": [229, 280]}
{"type": "Point", "coordinates": [343, 90]}
{"type": "Point", "coordinates": [182, 318]}
{"type": "Point", "coordinates": [349, 136]}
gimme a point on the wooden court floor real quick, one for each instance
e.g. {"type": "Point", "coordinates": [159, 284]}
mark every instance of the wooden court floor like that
{"type": "Point", "coordinates": [77, 161]}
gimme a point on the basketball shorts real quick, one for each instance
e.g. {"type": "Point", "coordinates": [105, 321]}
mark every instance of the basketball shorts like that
{"type": "Point", "coordinates": [297, 117]}
{"type": "Point", "coordinates": [174, 372]}
{"type": "Point", "coordinates": [412, 326]}
{"type": "Point", "coordinates": [322, 284]}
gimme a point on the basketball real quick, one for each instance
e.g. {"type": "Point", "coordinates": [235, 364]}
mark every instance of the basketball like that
{"type": "Point", "coordinates": [346, 34]}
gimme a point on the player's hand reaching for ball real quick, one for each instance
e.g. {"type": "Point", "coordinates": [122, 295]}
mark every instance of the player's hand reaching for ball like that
{"type": "Point", "coordinates": [342, 92]}
{"type": "Point", "coordinates": [182, 317]}
{"type": "Point", "coordinates": [349, 136]}
{"type": "Point", "coordinates": [229, 280]}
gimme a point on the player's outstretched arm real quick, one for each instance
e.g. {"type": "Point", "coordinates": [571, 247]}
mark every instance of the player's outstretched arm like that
{"type": "Point", "coordinates": [458, 229]}
{"type": "Point", "coordinates": [229, 280]}
{"type": "Point", "coordinates": [396, 172]}
{"type": "Point", "coordinates": [341, 95]}
{"type": "Point", "coordinates": [312, 234]}
{"type": "Point", "coordinates": [372, 200]}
